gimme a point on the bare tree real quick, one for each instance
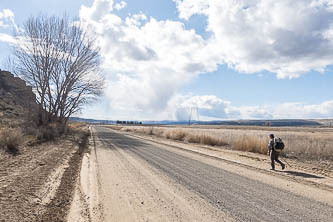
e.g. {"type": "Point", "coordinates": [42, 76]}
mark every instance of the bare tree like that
{"type": "Point", "coordinates": [60, 60]}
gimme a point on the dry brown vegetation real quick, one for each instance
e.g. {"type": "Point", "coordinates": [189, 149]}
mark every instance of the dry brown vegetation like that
{"type": "Point", "coordinates": [309, 143]}
{"type": "Point", "coordinates": [13, 136]}
{"type": "Point", "coordinates": [11, 139]}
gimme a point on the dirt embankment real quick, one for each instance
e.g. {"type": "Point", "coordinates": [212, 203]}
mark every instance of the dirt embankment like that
{"type": "Point", "coordinates": [38, 183]}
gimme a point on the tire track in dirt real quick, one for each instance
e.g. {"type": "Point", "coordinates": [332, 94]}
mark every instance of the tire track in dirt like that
{"type": "Point", "coordinates": [26, 176]}
{"type": "Point", "coordinates": [37, 184]}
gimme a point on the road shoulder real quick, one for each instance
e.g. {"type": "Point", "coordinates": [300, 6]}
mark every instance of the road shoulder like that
{"type": "Point", "coordinates": [85, 206]}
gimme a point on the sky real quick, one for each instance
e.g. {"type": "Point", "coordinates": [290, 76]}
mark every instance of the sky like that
{"type": "Point", "coordinates": [228, 59]}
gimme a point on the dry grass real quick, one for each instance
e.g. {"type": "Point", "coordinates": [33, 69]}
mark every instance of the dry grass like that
{"type": "Point", "coordinates": [250, 144]}
{"type": "Point", "coordinates": [175, 135]}
{"type": "Point", "coordinates": [309, 143]}
{"type": "Point", "coordinates": [211, 141]}
{"type": "Point", "coordinates": [12, 138]}
{"type": "Point", "coordinates": [76, 125]}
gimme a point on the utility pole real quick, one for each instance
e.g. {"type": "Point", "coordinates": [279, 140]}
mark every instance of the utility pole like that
{"type": "Point", "coordinates": [193, 111]}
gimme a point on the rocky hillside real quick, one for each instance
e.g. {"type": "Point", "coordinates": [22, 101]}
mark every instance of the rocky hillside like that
{"type": "Point", "coordinates": [15, 96]}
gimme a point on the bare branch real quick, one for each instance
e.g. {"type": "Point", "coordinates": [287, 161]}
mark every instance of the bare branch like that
{"type": "Point", "coordinates": [59, 59]}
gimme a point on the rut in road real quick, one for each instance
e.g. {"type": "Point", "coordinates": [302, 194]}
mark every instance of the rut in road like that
{"type": "Point", "coordinates": [243, 198]}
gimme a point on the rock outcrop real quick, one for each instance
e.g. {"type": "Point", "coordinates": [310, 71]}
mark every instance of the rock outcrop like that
{"type": "Point", "coordinates": [15, 96]}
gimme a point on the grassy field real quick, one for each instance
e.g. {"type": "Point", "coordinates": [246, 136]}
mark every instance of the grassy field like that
{"type": "Point", "coordinates": [301, 142]}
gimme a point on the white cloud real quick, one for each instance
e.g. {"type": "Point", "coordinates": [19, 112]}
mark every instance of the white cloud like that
{"type": "Point", "coordinates": [301, 110]}
{"type": "Point", "coordinates": [96, 12]}
{"type": "Point", "coordinates": [120, 5]}
{"type": "Point", "coordinates": [212, 107]}
{"type": "Point", "coordinates": [181, 107]}
{"type": "Point", "coordinates": [7, 19]}
{"type": "Point", "coordinates": [286, 37]}
{"type": "Point", "coordinates": [200, 107]}
{"type": "Point", "coordinates": [6, 16]}
{"type": "Point", "coordinates": [288, 111]}
{"type": "Point", "coordinates": [146, 60]}
{"type": "Point", "coordinates": [7, 38]}
{"type": "Point", "coordinates": [209, 107]}
{"type": "Point", "coordinates": [6, 13]}
{"type": "Point", "coordinates": [253, 112]}
{"type": "Point", "coordinates": [7, 26]}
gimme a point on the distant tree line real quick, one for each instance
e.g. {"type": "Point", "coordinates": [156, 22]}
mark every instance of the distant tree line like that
{"type": "Point", "coordinates": [128, 122]}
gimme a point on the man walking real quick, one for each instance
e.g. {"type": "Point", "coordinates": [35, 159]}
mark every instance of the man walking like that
{"type": "Point", "coordinates": [273, 153]}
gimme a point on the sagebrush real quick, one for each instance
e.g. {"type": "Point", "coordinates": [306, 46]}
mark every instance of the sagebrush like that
{"type": "Point", "coordinates": [11, 139]}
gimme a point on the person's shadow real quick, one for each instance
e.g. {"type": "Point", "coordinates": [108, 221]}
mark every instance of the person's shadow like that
{"type": "Point", "coordinates": [301, 174]}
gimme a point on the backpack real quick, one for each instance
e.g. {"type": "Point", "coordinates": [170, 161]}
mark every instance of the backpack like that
{"type": "Point", "coordinates": [278, 144]}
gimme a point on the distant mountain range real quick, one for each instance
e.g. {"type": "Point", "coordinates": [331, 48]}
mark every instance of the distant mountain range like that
{"type": "Point", "coordinates": [282, 122]}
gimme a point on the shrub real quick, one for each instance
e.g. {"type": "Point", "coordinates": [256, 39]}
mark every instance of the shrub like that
{"type": "Point", "coordinates": [81, 137]}
{"type": "Point", "coordinates": [11, 139]}
{"type": "Point", "coordinates": [150, 131]}
{"type": "Point", "coordinates": [125, 129]}
{"type": "Point", "coordinates": [30, 131]}
{"type": "Point", "coordinates": [192, 138]}
{"type": "Point", "coordinates": [175, 135]}
{"type": "Point", "coordinates": [47, 133]}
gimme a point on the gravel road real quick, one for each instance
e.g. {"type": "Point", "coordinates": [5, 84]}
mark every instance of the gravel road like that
{"type": "Point", "coordinates": [150, 182]}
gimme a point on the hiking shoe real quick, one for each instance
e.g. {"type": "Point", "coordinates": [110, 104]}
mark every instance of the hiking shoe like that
{"type": "Point", "coordinates": [283, 166]}
{"type": "Point", "coordinates": [272, 169]}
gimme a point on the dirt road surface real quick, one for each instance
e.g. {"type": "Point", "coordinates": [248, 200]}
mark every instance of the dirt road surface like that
{"type": "Point", "coordinates": [127, 178]}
